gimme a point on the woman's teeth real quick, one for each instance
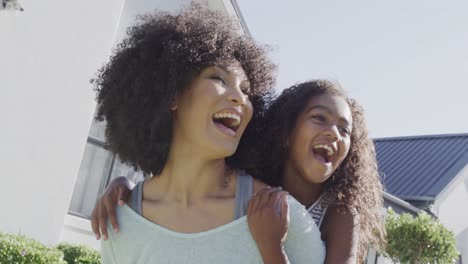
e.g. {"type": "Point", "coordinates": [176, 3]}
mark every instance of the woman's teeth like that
{"type": "Point", "coordinates": [236, 118]}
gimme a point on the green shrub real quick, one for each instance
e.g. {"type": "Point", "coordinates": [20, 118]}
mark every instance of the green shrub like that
{"type": "Point", "coordinates": [17, 249]}
{"type": "Point", "coordinates": [418, 240]}
{"type": "Point", "coordinates": [78, 254]}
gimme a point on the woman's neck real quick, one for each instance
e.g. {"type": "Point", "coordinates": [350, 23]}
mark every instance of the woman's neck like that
{"type": "Point", "coordinates": [187, 178]}
{"type": "Point", "coordinates": [301, 189]}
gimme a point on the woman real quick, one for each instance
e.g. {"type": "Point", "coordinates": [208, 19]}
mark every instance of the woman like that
{"type": "Point", "coordinates": [177, 96]}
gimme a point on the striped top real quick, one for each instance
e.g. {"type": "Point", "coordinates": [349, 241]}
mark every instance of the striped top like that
{"type": "Point", "coordinates": [318, 209]}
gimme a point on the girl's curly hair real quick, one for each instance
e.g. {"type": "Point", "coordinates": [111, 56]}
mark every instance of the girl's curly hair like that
{"type": "Point", "coordinates": [354, 185]}
{"type": "Point", "coordinates": [158, 60]}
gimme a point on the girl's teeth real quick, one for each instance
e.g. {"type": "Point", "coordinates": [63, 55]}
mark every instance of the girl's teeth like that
{"type": "Point", "coordinates": [329, 150]}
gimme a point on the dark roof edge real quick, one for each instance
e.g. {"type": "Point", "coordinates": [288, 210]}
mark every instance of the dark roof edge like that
{"type": "Point", "coordinates": [417, 198]}
{"type": "Point", "coordinates": [422, 137]}
{"type": "Point", "coordinates": [241, 18]}
{"type": "Point", "coordinates": [401, 203]}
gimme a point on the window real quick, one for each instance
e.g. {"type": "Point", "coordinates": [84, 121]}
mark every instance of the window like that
{"type": "Point", "coordinates": [98, 167]}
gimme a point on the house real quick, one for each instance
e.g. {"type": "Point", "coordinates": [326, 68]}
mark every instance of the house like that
{"type": "Point", "coordinates": [430, 173]}
{"type": "Point", "coordinates": [52, 159]}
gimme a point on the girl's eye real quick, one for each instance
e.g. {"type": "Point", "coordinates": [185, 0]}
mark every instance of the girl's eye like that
{"type": "Point", "coordinates": [345, 130]}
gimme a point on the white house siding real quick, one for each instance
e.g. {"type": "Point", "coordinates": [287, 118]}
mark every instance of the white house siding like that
{"type": "Point", "coordinates": [47, 55]}
{"type": "Point", "coordinates": [451, 207]}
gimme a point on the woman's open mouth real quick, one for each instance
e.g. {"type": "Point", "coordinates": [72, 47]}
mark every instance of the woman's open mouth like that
{"type": "Point", "coordinates": [228, 123]}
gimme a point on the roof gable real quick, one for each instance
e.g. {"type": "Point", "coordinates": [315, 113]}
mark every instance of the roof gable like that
{"type": "Point", "coordinates": [420, 166]}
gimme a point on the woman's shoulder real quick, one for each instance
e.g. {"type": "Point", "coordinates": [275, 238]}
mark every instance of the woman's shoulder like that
{"type": "Point", "coordinates": [126, 218]}
{"type": "Point", "coordinates": [298, 213]}
{"type": "Point", "coordinates": [258, 185]}
{"type": "Point", "coordinates": [303, 239]}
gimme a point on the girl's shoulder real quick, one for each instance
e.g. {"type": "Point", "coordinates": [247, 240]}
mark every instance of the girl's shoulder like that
{"type": "Point", "coordinates": [339, 217]}
{"type": "Point", "coordinates": [340, 231]}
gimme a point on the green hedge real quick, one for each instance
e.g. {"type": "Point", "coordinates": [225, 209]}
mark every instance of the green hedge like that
{"type": "Point", "coordinates": [78, 254]}
{"type": "Point", "coordinates": [419, 239]}
{"type": "Point", "coordinates": [18, 249]}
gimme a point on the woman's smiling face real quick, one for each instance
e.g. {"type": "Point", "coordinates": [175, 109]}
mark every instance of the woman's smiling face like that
{"type": "Point", "coordinates": [320, 139]}
{"type": "Point", "coordinates": [214, 111]}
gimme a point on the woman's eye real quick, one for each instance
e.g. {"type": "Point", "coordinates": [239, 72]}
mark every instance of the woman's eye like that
{"type": "Point", "coordinates": [246, 90]}
{"type": "Point", "coordinates": [219, 79]}
{"type": "Point", "coordinates": [319, 118]}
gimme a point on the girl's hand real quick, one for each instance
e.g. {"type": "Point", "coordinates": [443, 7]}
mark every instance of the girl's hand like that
{"type": "Point", "coordinates": [116, 192]}
{"type": "Point", "coordinates": [268, 220]}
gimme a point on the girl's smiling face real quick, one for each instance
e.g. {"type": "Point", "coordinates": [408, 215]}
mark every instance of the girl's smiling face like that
{"type": "Point", "coordinates": [320, 139]}
{"type": "Point", "coordinates": [214, 111]}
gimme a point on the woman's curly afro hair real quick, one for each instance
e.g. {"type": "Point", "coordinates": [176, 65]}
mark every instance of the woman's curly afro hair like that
{"type": "Point", "coordinates": [156, 62]}
{"type": "Point", "coordinates": [355, 184]}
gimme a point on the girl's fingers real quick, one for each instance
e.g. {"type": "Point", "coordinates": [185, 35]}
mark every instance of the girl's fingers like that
{"type": "Point", "coordinates": [260, 193]}
{"type": "Point", "coordinates": [284, 213]}
{"type": "Point", "coordinates": [275, 200]}
{"type": "Point", "coordinates": [265, 198]}
{"type": "Point", "coordinates": [266, 195]}
{"type": "Point", "coordinates": [285, 209]}
{"type": "Point", "coordinates": [256, 202]}
{"type": "Point", "coordinates": [272, 200]}
{"type": "Point", "coordinates": [257, 198]}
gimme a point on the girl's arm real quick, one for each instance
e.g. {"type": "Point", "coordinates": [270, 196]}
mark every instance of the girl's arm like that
{"type": "Point", "coordinates": [116, 192]}
{"type": "Point", "coordinates": [268, 219]}
{"type": "Point", "coordinates": [340, 231]}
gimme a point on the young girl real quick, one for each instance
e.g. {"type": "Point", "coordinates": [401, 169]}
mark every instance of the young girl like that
{"type": "Point", "coordinates": [177, 96]}
{"type": "Point", "coordinates": [315, 145]}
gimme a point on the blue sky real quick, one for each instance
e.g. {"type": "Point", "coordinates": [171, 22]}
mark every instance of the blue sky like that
{"type": "Point", "coordinates": [405, 61]}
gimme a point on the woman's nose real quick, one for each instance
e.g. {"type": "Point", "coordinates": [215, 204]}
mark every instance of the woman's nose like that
{"type": "Point", "coordinates": [237, 96]}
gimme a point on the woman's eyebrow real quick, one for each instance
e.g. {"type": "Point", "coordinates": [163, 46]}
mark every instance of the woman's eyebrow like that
{"type": "Point", "coordinates": [222, 68]}
{"type": "Point", "coordinates": [226, 71]}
